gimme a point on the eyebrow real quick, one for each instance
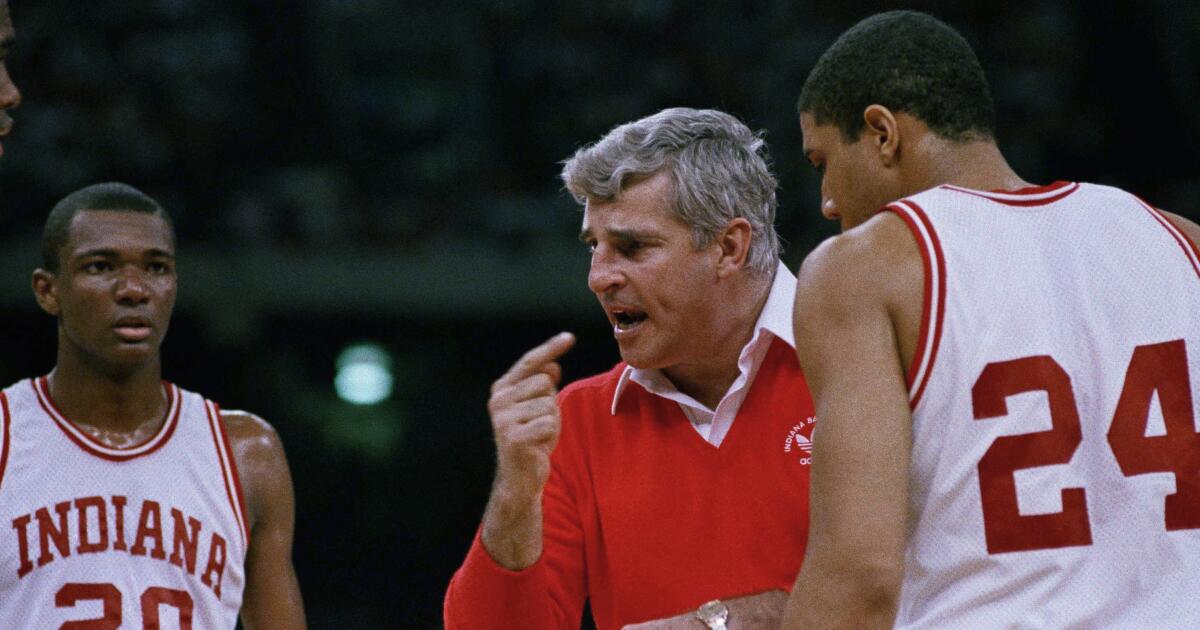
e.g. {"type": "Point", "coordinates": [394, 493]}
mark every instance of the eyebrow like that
{"type": "Point", "coordinates": [621, 234]}
{"type": "Point", "coordinates": [112, 253]}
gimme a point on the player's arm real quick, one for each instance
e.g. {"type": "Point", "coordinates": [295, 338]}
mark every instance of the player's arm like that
{"type": "Point", "coordinates": [848, 291]}
{"type": "Point", "coordinates": [272, 596]}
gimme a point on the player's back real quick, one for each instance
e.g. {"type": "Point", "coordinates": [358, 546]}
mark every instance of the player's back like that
{"type": "Point", "coordinates": [1056, 458]}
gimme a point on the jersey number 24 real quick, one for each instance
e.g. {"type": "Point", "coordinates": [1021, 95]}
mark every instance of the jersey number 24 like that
{"type": "Point", "coordinates": [1161, 368]}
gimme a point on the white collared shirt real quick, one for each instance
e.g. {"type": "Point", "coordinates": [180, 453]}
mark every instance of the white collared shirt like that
{"type": "Point", "coordinates": [775, 320]}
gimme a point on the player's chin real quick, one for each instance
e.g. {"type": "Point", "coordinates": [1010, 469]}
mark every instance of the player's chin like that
{"type": "Point", "coordinates": [850, 222]}
{"type": "Point", "coordinates": [132, 355]}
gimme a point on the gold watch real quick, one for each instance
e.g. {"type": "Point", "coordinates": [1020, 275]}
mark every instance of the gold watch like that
{"type": "Point", "coordinates": [714, 614]}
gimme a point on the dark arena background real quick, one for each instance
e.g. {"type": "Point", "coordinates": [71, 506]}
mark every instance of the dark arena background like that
{"type": "Point", "coordinates": [368, 207]}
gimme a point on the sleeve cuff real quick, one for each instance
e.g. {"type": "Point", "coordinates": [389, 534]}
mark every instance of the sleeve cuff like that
{"type": "Point", "coordinates": [484, 594]}
{"type": "Point", "coordinates": [480, 560]}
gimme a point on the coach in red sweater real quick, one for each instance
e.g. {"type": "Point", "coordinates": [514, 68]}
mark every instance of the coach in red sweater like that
{"type": "Point", "coordinates": [680, 476]}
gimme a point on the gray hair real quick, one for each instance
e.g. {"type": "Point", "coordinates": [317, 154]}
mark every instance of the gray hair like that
{"type": "Point", "coordinates": [718, 168]}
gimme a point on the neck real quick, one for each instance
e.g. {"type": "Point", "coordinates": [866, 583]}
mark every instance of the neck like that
{"type": "Point", "coordinates": [975, 164]}
{"type": "Point", "coordinates": [709, 378]}
{"type": "Point", "coordinates": [119, 403]}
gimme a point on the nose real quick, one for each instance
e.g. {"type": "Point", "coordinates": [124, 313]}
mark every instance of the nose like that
{"type": "Point", "coordinates": [829, 209]}
{"type": "Point", "coordinates": [132, 288]}
{"type": "Point", "coordinates": [604, 274]}
{"type": "Point", "coordinates": [10, 96]}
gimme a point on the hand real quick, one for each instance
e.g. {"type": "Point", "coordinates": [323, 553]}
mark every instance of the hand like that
{"type": "Point", "coordinates": [526, 424]}
{"type": "Point", "coordinates": [525, 417]}
{"type": "Point", "coordinates": [761, 611]}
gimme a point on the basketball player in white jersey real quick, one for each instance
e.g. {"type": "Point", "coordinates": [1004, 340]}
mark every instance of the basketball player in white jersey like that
{"type": "Point", "coordinates": [1007, 375]}
{"type": "Point", "coordinates": [125, 501]}
{"type": "Point", "coordinates": [10, 96]}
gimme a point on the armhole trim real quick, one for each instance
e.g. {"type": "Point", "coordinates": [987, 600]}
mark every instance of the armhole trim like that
{"type": "Point", "coordinates": [933, 303]}
{"type": "Point", "coordinates": [1190, 251]}
{"type": "Point", "coordinates": [5, 434]}
{"type": "Point", "coordinates": [229, 471]}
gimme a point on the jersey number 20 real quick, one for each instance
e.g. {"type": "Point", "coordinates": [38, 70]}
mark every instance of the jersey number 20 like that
{"type": "Point", "coordinates": [1160, 368]}
{"type": "Point", "coordinates": [72, 593]}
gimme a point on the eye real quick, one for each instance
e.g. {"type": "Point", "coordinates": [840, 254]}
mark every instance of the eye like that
{"type": "Point", "coordinates": [629, 248]}
{"type": "Point", "coordinates": [591, 246]}
{"type": "Point", "coordinates": [98, 266]}
{"type": "Point", "coordinates": [159, 268]}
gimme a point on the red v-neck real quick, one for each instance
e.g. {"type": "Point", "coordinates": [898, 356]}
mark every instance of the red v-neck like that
{"type": "Point", "coordinates": [673, 413]}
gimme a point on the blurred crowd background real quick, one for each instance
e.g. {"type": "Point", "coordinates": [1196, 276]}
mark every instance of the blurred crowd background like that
{"type": "Point", "coordinates": [372, 228]}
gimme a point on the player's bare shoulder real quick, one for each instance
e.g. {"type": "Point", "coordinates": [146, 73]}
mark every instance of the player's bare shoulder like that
{"type": "Point", "coordinates": [261, 462]}
{"type": "Point", "coordinates": [878, 261]}
{"type": "Point", "coordinates": [249, 432]}
{"type": "Point", "coordinates": [1188, 227]}
{"type": "Point", "coordinates": [875, 268]}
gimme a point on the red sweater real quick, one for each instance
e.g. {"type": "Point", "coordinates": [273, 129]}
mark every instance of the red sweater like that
{"type": "Point", "coordinates": [646, 518]}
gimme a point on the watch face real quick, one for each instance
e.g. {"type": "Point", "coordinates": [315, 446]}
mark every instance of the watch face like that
{"type": "Point", "coordinates": [713, 611]}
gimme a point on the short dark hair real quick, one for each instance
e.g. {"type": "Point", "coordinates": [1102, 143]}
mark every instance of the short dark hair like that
{"type": "Point", "coordinates": [908, 62]}
{"type": "Point", "coordinates": [112, 196]}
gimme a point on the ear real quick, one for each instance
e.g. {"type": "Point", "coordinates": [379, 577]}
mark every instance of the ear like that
{"type": "Point", "coordinates": [734, 246]}
{"type": "Point", "coordinates": [883, 132]}
{"type": "Point", "coordinates": [45, 290]}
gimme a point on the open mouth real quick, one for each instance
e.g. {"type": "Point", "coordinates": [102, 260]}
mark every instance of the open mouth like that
{"type": "Point", "coordinates": [628, 319]}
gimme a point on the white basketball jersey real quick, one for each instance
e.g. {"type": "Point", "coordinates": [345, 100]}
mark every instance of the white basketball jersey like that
{"type": "Point", "coordinates": [151, 536]}
{"type": "Point", "coordinates": [1055, 478]}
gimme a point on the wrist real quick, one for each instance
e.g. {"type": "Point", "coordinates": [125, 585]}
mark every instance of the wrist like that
{"type": "Point", "coordinates": [512, 528]}
{"type": "Point", "coordinates": [515, 496]}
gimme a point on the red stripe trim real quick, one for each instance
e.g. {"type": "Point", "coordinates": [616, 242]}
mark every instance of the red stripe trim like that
{"type": "Point", "coordinates": [5, 436]}
{"type": "Point", "coordinates": [1025, 197]}
{"type": "Point", "coordinates": [1032, 190]}
{"type": "Point", "coordinates": [41, 387]}
{"type": "Point", "coordinates": [926, 294]}
{"type": "Point", "coordinates": [237, 479]}
{"type": "Point", "coordinates": [228, 469]}
{"type": "Point", "coordinates": [1189, 248]}
{"type": "Point", "coordinates": [940, 259]}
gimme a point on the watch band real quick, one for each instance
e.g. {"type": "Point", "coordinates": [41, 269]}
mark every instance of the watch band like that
{"type": "Point", "coordinates": [713, 614]}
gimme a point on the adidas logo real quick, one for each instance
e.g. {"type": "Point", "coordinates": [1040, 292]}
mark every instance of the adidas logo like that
{"type": "Point", "coordinates": [799, 439]}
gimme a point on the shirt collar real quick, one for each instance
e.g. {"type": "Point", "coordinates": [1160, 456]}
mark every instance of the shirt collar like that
{"type": "Point", "coordinates": [775, 318]}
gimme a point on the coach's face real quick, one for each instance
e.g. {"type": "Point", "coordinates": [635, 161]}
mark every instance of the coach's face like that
{"type": "Point", "coordinates": [854, 183]}
{"type": "Point", "coordinates": [10, 97]}
{"type": "Point", "coordinates": [658, 290]}
{"type": "Point", "coordinates": [114, 290]}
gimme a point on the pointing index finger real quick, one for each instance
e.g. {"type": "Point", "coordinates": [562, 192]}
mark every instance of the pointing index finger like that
{"type": "Point", "coordinates": [533, 361]}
